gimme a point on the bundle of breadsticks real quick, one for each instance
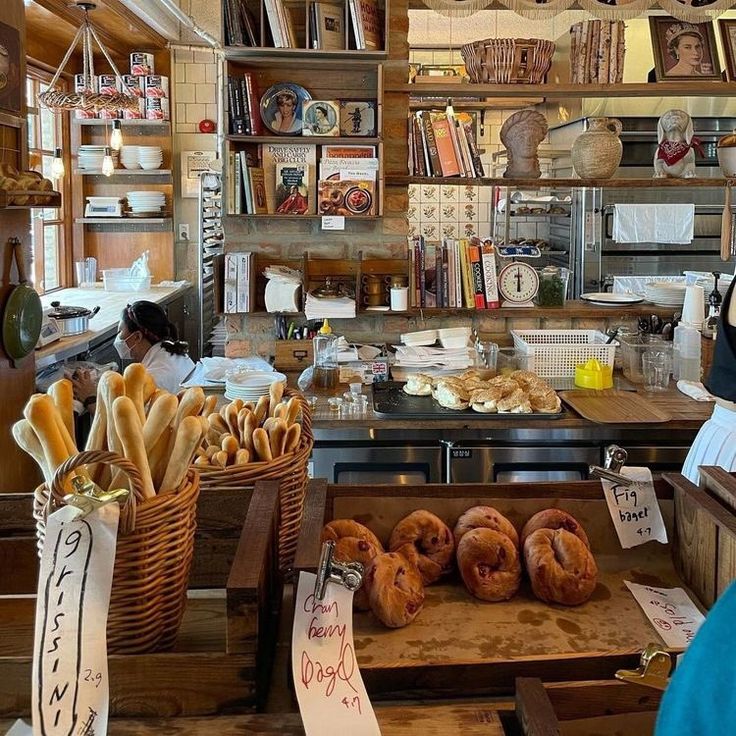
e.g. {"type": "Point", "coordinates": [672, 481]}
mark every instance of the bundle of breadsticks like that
{"type": "Point", "coordinates": [243, 433]}
{"type": "Point", "coordinates": [157, 431]}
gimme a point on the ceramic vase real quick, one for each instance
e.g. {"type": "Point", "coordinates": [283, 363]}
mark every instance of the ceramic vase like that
{"type": "Point", "coordinates": [597, 153]}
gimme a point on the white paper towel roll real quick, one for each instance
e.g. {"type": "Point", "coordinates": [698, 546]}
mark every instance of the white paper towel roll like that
{"type": "Point", "coordinates": [282, 296]}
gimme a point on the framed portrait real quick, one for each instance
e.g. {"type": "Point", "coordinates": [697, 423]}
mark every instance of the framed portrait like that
{"type": "Point", "coordinates": [10, 81]}
{"type": "Point", "coordinates": [281, 108]}
{"type": "Point", "coordinates": [358, 117]}
{"type": "Point", "coordinates": [321, 117]}
{"type": "Point", "coordinates": [728, 38]}
{"type": "Point", "coordinates": [684, 50]}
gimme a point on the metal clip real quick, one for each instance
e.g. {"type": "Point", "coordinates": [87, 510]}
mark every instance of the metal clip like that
{"type": "Point", "coordinates": [329, 570]}
{"type": "Point", "coordinates": [89, 497]}
{"type": "Point", "coordinates": [654, 669]}
{"type": "Point", "coordinates": [613, 460]}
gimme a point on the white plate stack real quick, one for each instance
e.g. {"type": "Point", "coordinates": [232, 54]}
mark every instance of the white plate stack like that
{"type": "Point", "coordinates": [90, 157]}
{"type": "Point", "coordinates": [146, 203]}
{"type": "Point", "coordinates": [129, 157]}
{"type": "Point", "coordinates": [251, 385]}
{"type": "Point", "coordinates": [150, 157]}
{"type": "Point", "coordinates": [665, 294]}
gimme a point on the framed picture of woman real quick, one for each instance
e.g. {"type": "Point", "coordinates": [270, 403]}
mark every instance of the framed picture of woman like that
{"type": "Point", "coordinates": [728, 38]}
{"type": "Point", "coordinates": [281, 108]}
{"type": "Point", "coordinates": [684, 50]}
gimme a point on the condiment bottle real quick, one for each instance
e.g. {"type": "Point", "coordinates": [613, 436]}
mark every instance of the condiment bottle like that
{"type": "Point", "coordinates": [325, 357]}
{"type": "Point", "coordinates": [686, 352]}
{"type": "Point", "coordinates": [715, 299]}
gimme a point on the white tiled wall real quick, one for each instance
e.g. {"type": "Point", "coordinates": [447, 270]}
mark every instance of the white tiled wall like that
{"type": "Point", "coordinates": [195, 91]}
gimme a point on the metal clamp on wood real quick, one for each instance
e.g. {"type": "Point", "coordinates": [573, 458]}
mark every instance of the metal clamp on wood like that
{"type": "Point", "coordinates": [653, 670]}
{"type": "Point", "coordinates": [329, 570]}
{"type": "Point", "coordinates": [613, 460]}
{"type": "Point", "coordinates": [88, 497]}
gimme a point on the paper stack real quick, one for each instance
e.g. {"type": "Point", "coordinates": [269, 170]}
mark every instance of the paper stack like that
{"type": "Point", "coordinates": [339, 308]}
{"type": "Point", "coordinates": [428, 357]}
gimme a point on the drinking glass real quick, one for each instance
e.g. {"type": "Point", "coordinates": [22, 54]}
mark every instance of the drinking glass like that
{"type": "Point", "coordinates": [656, 367]}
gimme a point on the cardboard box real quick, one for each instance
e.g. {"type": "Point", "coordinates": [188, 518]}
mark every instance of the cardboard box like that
{"type": "Point", "coordinates": [294, 355]}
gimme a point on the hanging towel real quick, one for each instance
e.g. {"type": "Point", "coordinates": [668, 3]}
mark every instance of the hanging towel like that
{"type": "Point", "coordinates": [654, 223]}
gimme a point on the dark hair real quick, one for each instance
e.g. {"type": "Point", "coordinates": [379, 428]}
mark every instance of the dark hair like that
{"type": "Point", "coordinates": [151, 321]}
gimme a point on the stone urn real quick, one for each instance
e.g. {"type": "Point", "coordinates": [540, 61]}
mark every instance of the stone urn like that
{"type": "Point", "coordinates": [597, 153]}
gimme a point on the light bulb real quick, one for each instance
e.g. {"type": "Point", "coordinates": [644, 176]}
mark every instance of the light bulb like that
{"type": "Point", "coordinates": [108, 167]}
{"type": "Point", "coordinates": [57, 165]}
{"type": "Point", "coordinates": [116, 137]}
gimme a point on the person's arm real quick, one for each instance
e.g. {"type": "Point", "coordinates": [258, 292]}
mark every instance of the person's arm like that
{"type": "Point", "coordinates": [85, 389]}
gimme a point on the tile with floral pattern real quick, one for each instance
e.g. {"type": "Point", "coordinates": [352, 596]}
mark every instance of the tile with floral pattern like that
{"type": "Point", "coordinates": [430, 193]}
{"type": "Point", "coordinates": [429, 231]}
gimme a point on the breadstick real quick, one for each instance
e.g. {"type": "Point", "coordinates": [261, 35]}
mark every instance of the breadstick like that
{"type": "Point", "coordinates": [211, 451]}
{"type": "Point", "coordinates": [204, 424]}
{"type": "Point", "coordinates": [231, 417]}
{"type": "Point", "coordinates": [155, 396]}
{"type": "Point", "coordinates": [280, 410]}
{"type": "Point", "coordinates": [230, 445]}
{"type": "Point", "coordinates": [97, 438]}
{"type": "Point", "coordinates": [220, 458]}
{"type": "Point", "coordinates": [201, 460]}
{"type": "Point", "coordinates": [39, 411]}
{"type": "Point", "coordinates": [237, 403]}
{"type": "Point", "coordinates": [62, 392]}
{"type": "Point", "coordinates": [293, 434]}
{"type": "Point", "coordinates": [191, 403]}
{"type": "Point", "coordinates": [269, 423]}
{"type": "Point", "coordinates": [218, 423]}
{"type": "Point", "coordinates": [275, 392]}
{"type": "Point", "coordinates": [292, 410]}
{"type": "Point", "coordinates": [251, 424]}
{"type": "Point", "coordinates": [261, 410]}
{"type": "Point", "coordinates": [111, 386]}
{"type": "Point", "coordinates": [249, 405]}
{"type": "Point", "coordinates": [135, 382]}
{"type": "Point", "coordinates": [158, 457]}
{"type": "Point", "coordinates": [242, 457]}
{"type": "Point", "coordinates": [27, 440]}
{"type": "Point", "coordinates": [130, 429]}
{"type": "Point", "coordinates": [277, 435]}
{"type": "Point", "coordinates": [160, 416]}
{"type": "Point", "coordinates": [242, 416]}
{"type": "Point", "coordinates": [149, 387]}
{"type": "Point", "coordinates": [212, 437]}
{"type": "Point", "coordinates": [209, 405]}
{"type": "Point", "coordinates": [262, 445]}
{"type": "Point", "coordinates": [188, 436]}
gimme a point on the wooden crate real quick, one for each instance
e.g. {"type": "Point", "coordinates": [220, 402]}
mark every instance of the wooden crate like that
{"type": "Point", "coordinates": [459, 645]}
{"type": "Point", "coordinates": [222, 658]}
{"type": "Point", "coordinates": [607, 708]}
{"type": "Point", "coordinates": [293, 355]}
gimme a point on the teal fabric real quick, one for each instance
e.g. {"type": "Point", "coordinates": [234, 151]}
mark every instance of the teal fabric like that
{"type": "Point", "coordinates": [701, 698]}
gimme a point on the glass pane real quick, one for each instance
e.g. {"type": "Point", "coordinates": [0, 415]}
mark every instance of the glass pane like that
{"type": "Point", "coordinates": [46, 167]}
{"type": "Point", "coordinates": [31, 131]}
{"type": "Point", "coordinates": [51, 257]}
{"type": "Point", "coordinates": [48, 129]}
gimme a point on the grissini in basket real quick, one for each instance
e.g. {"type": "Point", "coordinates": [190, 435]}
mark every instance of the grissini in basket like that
{"type": "Point", "coordinates": [125, 416]}
{"type": "Point", "coordinates": [62, 393]}
{"type": "Point", "coordinates": [27, 440]}
{"type": "Point", "coordinates": [188, 436]}
{"type": "Point", "coordinates": [134, 379]}
{"type": "Point", "coordinates": [160, 416]}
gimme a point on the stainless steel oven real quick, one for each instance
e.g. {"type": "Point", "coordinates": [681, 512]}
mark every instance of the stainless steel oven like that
{"type": "Point", "coordinates": [378, 463]}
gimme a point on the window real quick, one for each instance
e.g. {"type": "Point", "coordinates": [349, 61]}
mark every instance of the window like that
{"type": "Point", "coordinates": [45, 133]}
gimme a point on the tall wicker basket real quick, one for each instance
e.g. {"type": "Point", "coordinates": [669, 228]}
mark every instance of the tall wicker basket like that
{"type": "Point", "coordinates": [152, 560]}
{"type": "Point", "coordinates": [290, 470]}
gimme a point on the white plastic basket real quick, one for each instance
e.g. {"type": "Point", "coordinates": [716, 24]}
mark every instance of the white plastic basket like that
{"type": "Point", "coordinates": [555, 353]}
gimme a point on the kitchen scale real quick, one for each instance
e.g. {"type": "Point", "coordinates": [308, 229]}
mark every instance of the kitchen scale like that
{"type": "Point", "coordinates": [518, 284]}
{"type": "Point", "coordinates": [50, 330]}
{"type": "Point", "coordinates": [103, 207]}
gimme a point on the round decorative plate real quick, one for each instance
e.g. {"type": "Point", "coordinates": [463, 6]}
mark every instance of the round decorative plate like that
{"type": "Point", "coordinates": [281, 108]}
{"type": "Point", "coordinates": [611, 300]}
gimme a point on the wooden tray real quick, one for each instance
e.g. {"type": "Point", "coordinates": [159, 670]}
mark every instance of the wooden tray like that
{"type": "Point", "coordinates": [614, 407]}
{"type": "Point", "coordinates": [222, 657]}
{"type": "Point", "coordinates": [459, 645]}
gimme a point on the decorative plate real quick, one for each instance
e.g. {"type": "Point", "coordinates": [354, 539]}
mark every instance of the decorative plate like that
{"type": "Point", "coordinates": [610, 300]}
{"type": "Point", "coordinates": [281, 108]}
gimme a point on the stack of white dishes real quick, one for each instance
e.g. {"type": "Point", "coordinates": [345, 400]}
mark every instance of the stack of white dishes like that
{"type": "Point", "coordinates": [251, 385]}
{"type": "Point", "coordinates": [129, 157]}
{"type": "Point", "coordinates": [90, 157]}
{"type": "Point", "coordinates": [665, 294]}
{"type": "Point", "coordinates": [150, 157]}
{"type": "Point", "coordinates": [146, 203]}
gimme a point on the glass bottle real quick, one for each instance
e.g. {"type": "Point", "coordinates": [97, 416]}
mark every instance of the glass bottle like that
{"type": "Point", "coordinates": [325, 357]}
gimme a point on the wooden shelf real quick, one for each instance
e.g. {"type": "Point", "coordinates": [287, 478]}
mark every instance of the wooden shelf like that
{"type": "Point", "coordinates": [254, 53]}
{"type": "Point", "coordinates": [7, 197]}
{"type": "Point", "coordinates": [572, 310]}
{"type": "Point", "coordinates": [399, 181]}
{"type": "Point", "coordinates": [122, 220]}
{"type": "Point", "coordinates": [557, 91]}
{"type": "Point", "coordinates": [499, 103]}
{"type": "Point", "coordinates": [303, 217]}
{"type": "Point", "coordinates": [305, 139]}
{"type": "Point", "coordinates": [125, 172]}
{"type": "Point", "coordinates": [125, 123]}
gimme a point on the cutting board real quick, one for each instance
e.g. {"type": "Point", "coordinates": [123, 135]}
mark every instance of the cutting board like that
{"type": "Point", "coordinates": [614, 407]}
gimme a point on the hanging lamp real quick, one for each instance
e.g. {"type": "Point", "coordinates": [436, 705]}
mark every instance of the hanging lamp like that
{"type": "Point", "coordinates": [87, 98]}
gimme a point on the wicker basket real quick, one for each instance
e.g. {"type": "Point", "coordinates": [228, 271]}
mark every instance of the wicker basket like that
{"type": "Point", "coordinates": [291, 472]}
{"type": "Point", "coordinates": [508, 60]}
{"type": "Point", "coordinates": [152, 561]}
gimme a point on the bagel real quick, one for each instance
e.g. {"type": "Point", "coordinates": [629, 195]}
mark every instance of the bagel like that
{"type": "Point", "coordinates": [489, 564]}
{"type": "Point", "coordinates": [352, 549]}
{"type": "Point", "coordinates": [432, 539]}
{"type": "Point", "coordinates": [339, 528]}
{"type": "Point", "coordinates": [554, 519]}
{"type": "Point", "coordinates": [395, 590]}
{"type": "Point", "coordinates": [484, 517]}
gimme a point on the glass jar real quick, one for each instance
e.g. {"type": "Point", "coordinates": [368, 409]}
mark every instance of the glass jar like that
{"type": "Point", "coordinates": [552, 286]}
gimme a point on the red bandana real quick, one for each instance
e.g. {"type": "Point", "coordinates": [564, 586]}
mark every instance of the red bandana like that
{"type": "Point", "coordinates": [673, 151]}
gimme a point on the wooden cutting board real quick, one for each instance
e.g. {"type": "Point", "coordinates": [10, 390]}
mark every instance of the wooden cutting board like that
{"type": "Point", "coordinates": [614, 407]}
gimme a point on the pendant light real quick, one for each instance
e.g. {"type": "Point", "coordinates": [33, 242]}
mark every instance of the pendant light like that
{"type": "Point", "coordinates": [57, 164]}
{"type": "Point", "coordinates": [116, 137]}
{"type": "Point", "coordinates": [108, 167]}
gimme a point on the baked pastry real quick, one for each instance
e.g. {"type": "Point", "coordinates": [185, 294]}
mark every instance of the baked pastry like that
{"type": "Point", "coordinates": [418, 384]}
{"type": "Point", "coordinates": [432, 539]}
{"type": "Point", "coordinates": [514, 403]}
{"type": "Point", "coordinates": [554, 519]}
{"type": "Point", "coordinates": [451, 395]}
{"type": "Point", "coordinates": [561, 568]}
{"type": "Point", "coordinates": [484, 517]}
{"type": "Point", "coordinates": [395, 590]}
{"type": "Point", "coordinates": [486, 400]}
{"type": "Point", "coordinates": [545, 400]}
{"type": "Point", "coordinates": [352, 549]}
{"type": "Point", "coordinates": [489, 564]}
{"type": "Point", "coordinates": [339, 528]}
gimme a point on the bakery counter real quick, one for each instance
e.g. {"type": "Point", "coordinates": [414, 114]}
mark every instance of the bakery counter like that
{"type": "Point", "coordinates": [103, 325]}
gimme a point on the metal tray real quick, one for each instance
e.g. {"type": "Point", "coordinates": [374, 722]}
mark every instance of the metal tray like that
{"type": "Point", "coordinates": [390, 400]}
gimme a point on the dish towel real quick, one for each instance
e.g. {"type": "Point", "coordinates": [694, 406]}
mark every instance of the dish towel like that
{"type": "Point", "coordinates": [695, 390]}
{"type": "Point", "coordinates": [654, 223]}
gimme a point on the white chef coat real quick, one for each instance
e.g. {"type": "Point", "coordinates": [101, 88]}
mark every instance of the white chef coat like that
{"type": "Point", "coordinates": [715, 444]}
{"type": "Point", "coordinates": [166, 369]}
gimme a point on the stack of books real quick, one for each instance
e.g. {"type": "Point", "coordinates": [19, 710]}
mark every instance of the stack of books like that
{"type": "Point", "coordinates": [327, 26]}
{"type": "Point", "coordinates": [238, 283]}
{"type": "Point", "coordinates": [348, 181]}
{"type": "Point", "coordinates": [240, 24]}
{"type": "Point", "coordinates": [367, 20]}
{"type": "Point", "coordinates": [453, 274]}
{"type": "Point", "coordinates": [244, 106]}
{"type": "Point", "coordinates": [443, 144]}
{"type": "Point", "coordinates": [281, 24]}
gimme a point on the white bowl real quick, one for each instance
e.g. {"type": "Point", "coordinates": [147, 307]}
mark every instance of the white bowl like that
{"type": "Point", "coordinates": [727, 160]}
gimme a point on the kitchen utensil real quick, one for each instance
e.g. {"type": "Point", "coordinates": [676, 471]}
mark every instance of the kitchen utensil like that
{"type": "Point", "coordinates": [726, 226]}
{"type": "Point", "coordinates": [656, 369]}
{"type": "Point", "coordinates": [612, 336]}
{"type": "Point", "coordinates": [72, 320]}
{"type": "Point", "coordinates": [593, 375]}
{"type": "Point", "coordinates": [614, 407]}
{"type": "Point", "coordinates": [23, 312]}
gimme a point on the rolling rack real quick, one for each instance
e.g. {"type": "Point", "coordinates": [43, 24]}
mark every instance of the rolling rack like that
{"type": "Point", "coordinates": [211, 242]}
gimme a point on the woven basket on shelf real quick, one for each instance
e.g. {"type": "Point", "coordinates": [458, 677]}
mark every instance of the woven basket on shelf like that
{"type": "Point", "coordinates": [152, 560]}
{"type": "Point", "coordinates": [508, 60]}
{"type": "Point", "coordinates": [291, 472]}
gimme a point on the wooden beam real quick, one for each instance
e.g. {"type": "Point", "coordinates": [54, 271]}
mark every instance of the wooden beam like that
{"type": "Point", "coordinates": [117, 7]}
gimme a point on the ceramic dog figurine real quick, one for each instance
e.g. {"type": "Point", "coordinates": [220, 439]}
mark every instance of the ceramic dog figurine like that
{"type": "Point", "coordinates": [675, 156]}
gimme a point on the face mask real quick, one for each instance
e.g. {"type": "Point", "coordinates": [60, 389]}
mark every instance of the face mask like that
{"type": "Point", "coordinates": [122, 348]}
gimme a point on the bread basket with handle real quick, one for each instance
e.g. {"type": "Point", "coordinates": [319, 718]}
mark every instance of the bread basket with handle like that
{"type": "Point", "coordinates": [153, 557]}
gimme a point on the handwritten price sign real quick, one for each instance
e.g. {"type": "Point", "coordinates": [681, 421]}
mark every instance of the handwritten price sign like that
{"type": "Point", "coordinates": [675, 617]}
{"type": "Point", "coordinates": [634, 509]}
{"type": "Point", "coordinates": [329, 688]}
{"type": "Point", "coordinates": [70, 685]}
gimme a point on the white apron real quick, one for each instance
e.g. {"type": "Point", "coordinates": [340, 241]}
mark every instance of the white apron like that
{"type": "Point", "coordinates": [715, 444]}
